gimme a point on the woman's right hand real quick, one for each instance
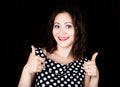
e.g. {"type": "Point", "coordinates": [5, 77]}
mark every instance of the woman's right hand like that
{"type": "Point", "coordinates": [35, 63]}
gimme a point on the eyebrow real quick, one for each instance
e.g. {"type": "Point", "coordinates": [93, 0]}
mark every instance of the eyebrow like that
{"type": "Point", "coordinates": [64, 23]}
{"type": "Point", "coordinates": [68, 22]}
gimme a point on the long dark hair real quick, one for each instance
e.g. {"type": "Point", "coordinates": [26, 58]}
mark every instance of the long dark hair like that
{"type": "Point", "coordinates": [79, 48]}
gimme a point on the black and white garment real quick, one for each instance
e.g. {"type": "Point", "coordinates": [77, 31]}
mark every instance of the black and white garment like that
{"type": "Point", "coordinates": [60, 75]}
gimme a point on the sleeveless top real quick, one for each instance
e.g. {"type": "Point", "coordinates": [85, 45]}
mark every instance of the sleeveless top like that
{"type": "Point", "coordinates": [60, 75]}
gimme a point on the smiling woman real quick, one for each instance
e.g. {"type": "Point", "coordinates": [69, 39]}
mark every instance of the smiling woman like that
{"type": "Point", "coordinates": [63, 30]}
{"type": "Point", "coordinates": [63, 61]}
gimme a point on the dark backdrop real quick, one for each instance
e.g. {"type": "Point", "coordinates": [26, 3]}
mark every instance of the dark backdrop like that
{"type": "Point", "coordinates": [24, 23]}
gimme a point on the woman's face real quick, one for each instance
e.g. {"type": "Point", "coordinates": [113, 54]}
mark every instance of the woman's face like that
{"type": "Point", "coordinates": [63, 30]}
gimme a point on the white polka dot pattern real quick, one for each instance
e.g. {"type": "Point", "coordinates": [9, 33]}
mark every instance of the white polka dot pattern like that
{"type": "Point", "coordinates": [60, 75]}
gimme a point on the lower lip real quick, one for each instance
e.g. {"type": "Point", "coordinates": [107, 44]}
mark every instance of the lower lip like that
{"type": "Point", "coordinates": [62, 39]}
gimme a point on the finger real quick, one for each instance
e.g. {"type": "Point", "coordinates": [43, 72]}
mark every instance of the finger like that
{"type": "Point", "coordinates": [41, 60]}
{"type": "Point", "coordinates": [33, 50]}
{"type": "Point", "coordinates": [89, 63]}
{"type": "Point", "coordinates": [94, 56]}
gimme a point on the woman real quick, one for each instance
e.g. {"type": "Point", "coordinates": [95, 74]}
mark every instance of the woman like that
{"type": "Point", "coordinates": [63, 61]}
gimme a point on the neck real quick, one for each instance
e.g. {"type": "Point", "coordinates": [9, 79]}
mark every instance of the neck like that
{"type": "Point", "coordinates": [63, 52]}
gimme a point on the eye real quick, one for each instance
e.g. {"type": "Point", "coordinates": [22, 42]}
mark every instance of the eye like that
{"type": "Point", "coordinates": [68, 26]}
{"type": "Point", "coordinates": [56, 26]}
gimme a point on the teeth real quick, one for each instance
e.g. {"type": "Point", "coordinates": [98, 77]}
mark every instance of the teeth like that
{"type": "Point", "coordinates": [63, 37]}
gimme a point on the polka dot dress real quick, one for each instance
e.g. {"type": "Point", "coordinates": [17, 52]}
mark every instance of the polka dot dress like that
{"type": "Point", "coordinates": [60, 75]}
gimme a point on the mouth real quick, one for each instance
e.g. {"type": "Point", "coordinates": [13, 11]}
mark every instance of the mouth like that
{"type": "Point", "coordinates": [63, 38]}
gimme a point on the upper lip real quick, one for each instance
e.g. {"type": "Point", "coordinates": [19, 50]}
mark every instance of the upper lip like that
{"type": "Point", "coordinates": [62, 38]}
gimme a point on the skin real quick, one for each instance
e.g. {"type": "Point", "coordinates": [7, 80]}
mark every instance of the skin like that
{"type": "Point", "coordinates": [64, 34]}
{"type": "Point", "coordinates": [92, 74]}
{"type": "Point", "coordinates": [63, 30]}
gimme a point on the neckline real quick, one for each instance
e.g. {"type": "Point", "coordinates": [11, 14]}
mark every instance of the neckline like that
{"type": "Point", "coordinates": [60, 63]}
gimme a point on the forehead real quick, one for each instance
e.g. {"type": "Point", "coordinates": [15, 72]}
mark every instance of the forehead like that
{"type": "Point", "coordinates": [63, 17]}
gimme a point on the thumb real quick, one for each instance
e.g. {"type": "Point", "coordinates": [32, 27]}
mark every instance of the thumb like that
{"type": "Point", "coordinates": [33, 50]}
{"type": "Point", "coordinates": [94, 56]}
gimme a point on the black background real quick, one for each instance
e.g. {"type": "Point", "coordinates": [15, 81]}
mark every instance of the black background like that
{"type": "Point", "coordinates": [24, 23]}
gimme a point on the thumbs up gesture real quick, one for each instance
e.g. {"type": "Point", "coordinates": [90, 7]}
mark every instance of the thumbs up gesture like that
{"type": "Point", "coordinates": [35, 63]}
{"type": "Point", "coordinates": [90, 66]}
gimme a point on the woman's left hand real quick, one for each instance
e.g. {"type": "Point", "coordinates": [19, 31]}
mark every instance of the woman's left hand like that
{"type": "Point", "coordinates": [90, 66]}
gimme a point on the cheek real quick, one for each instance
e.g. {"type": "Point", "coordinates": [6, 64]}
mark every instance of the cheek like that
{"type": "Point", "coordinates": [54, 33]}
{"type": "Point", "coordinates": [72, 33]}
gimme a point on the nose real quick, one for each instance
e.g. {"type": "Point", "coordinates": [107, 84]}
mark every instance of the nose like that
{"type": "Point", "coordinates": [62, 31]}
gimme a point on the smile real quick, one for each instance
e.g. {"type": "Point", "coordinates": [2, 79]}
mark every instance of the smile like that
{"type": "Point", "coordinates": [63, 38]}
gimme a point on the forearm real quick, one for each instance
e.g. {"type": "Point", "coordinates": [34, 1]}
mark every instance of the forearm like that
{"type": "Point", "coordinates": [94, 81]}
{"type": "Point", "coordinates": [91, 81]}
{"type": "Point", "coordinates": [26, 79]}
